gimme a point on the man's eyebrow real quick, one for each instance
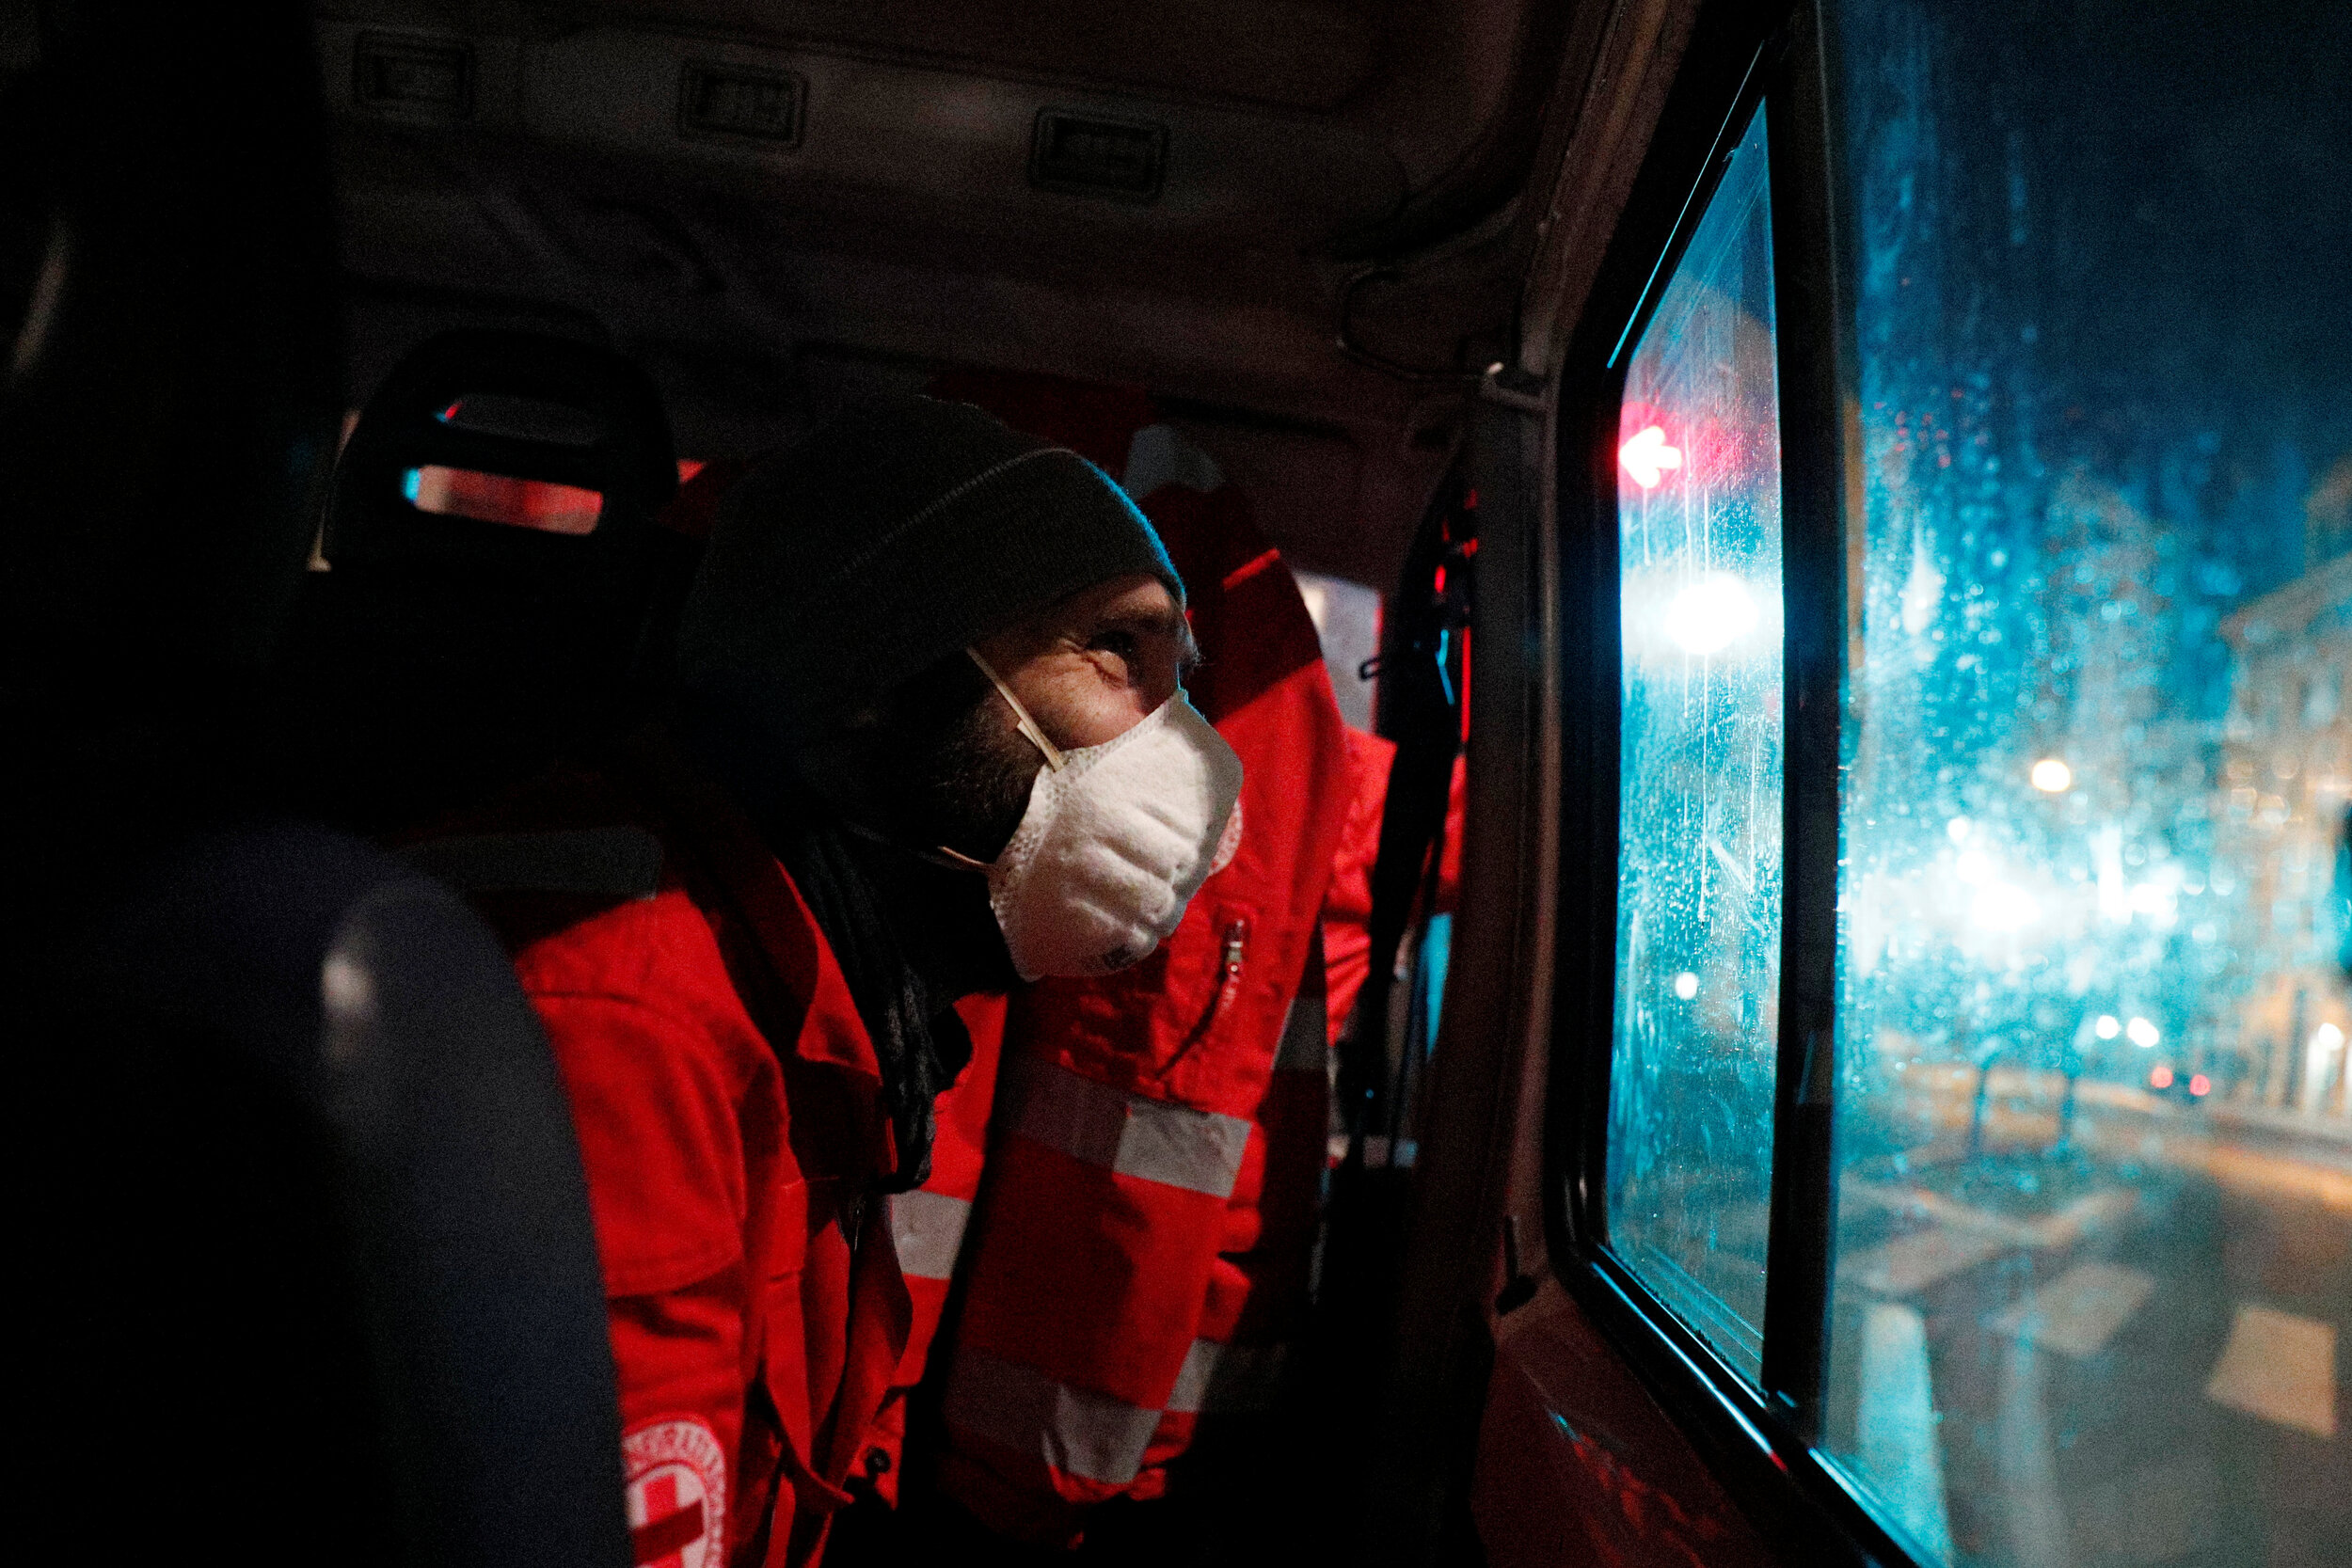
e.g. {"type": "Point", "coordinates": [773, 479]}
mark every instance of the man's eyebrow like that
{"type": "Point", "coordinates": [1159, 622]}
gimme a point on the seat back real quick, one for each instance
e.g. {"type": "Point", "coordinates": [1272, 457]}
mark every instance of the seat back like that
{"type": "Point", "coordinates": [467, 632]}
{"type": "Point", "coordinates": [523, 406]}
{"type": "Point", "coordinates": [340, 1238]}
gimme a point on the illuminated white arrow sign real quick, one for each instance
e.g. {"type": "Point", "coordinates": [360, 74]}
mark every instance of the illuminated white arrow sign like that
{"type": "Point", "coordinates": [1646, 457]}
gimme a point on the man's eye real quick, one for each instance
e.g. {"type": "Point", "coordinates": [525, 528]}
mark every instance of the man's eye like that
{"type": "Point", "coordinates": [1119, 643]}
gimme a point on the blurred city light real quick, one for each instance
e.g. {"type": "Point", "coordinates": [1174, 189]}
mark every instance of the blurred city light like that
{"type": "Point", "coordinates": [2144, 1033]}
{"type": "Point", "coordinates": [2005, 907]}
{"type": "Point", "coordinates": [2319, 1055]}
{"type": "Point", "coordinates": [2159, 900]}
{"type": "Point", "coordinates": [2108, 1027]}
{"type": "Point", "coordinates": [2106, 854]}
{"type": "Point", "coordinates": [2200, 1085]}
{"type": "Point", "coordinates": [2161, 1078]}
{"type": "Point", "coordinates": [1646, 457]}
{"type": "Point", "coordinates": [1710, 614]}
{"type": "Point", "coordinates": [1686, 984]}
{"type": "Point", "coordinates": [2052, 777]}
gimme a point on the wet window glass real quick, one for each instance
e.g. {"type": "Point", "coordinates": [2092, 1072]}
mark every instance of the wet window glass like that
{"type": "Point", "coordinates": [1699, 848]}
{"type": "Point", "coordinates": [2094, 1247]}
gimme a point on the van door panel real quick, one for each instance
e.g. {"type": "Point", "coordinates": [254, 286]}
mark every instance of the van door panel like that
{"type": "Point", "coordinates": [1576, 1464]}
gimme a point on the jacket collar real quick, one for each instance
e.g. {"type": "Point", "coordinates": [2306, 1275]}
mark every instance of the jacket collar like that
{"type": "Point", "coordinates": [723, 841]}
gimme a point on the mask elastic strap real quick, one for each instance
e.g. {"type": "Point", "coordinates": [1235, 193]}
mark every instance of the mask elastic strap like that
{"type": "Point", "coordinates": [1028, 726]}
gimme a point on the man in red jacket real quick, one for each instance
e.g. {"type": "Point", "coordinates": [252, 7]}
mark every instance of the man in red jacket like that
{"type": "Point", "coordinates": [1131, 1240]}
{"type": "Point", "coordinates": [933, 743]}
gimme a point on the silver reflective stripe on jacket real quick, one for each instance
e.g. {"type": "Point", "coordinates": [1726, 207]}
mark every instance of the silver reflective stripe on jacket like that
{"type": "Point", "coordinates": [1076, 1431]}
{"type": "Point", "coordinates": [928, 1230]}
{"type": "Point", "coordinates": [1306, 1037]}
{"type": "Point", "coordinates": [1199, 1150]}
{"type": "Point", "coordinates": [1221, 1378]}
{"type": "Point", "coordinates": [1192, 1379]}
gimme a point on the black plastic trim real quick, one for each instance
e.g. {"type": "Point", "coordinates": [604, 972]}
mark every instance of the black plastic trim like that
{"type": "Point", "coordinates": [1818, 451]}
{"type": "Point", "coordinates": [1729, 134]}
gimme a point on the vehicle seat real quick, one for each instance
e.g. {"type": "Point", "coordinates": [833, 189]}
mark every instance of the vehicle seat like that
{"type": "Point", "coordinates": [344, 1262]}
{"type": "Point", "coordinates": [440, 655]}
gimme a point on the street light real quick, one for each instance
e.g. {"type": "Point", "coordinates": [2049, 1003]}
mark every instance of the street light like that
{"type": "Point", "coordinates": [2005, 907]}
{"type": "Point", "coordinates": [1712, 614]}
{"type": "Point", "coordinates": [2052, 777]}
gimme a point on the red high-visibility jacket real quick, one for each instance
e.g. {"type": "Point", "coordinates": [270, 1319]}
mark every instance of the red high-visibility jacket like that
{"type": "Point", "coordinates": [1347, 908]}
{"type": "Point", "coordinates": [727, 1102]}
{"type": "Point", "coordinates": [926, 1226]}
{"type": "Point", "coordinates": [1118, 1238]}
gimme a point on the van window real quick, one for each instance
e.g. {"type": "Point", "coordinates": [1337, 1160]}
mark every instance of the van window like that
{"type": "Point", "coordinates": [2094, 1250]}
{"type": "Point", "coordinates": [1700, 838]}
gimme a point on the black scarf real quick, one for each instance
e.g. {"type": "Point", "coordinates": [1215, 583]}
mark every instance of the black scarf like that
{"type": "Point", "coordinates": [868, 904]}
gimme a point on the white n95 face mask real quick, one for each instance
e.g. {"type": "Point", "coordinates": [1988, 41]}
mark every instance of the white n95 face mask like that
{"type": "Point", "coordinates": [1116, 841]}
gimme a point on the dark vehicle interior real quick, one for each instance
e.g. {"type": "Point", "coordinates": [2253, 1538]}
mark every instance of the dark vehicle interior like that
{"type": "Point", "coordinates": [312, 305]}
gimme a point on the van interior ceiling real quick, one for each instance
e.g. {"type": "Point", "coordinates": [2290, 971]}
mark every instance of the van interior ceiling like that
{"type": "Point", "coordinates": [1301, 225]}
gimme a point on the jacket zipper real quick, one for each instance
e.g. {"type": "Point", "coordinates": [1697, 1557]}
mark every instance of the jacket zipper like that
{"type": "Point", "coordinates": [1230, 966]}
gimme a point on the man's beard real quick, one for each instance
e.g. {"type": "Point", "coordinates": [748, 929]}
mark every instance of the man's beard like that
{"type": "Point", "coordinates": [964, 771]}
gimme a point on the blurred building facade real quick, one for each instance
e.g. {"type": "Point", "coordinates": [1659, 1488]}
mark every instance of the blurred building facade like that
{"type": "Point", "coordinates": [2284, 1012]}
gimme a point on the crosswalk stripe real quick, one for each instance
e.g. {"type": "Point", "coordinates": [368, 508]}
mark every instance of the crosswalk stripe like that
{"type": "Point", "coordinates": [1912, 1262]}
{"type": "Point", "coordinates": [2281, 1368]}
{"type": "Point", "coordinates": [2079, 1311]}
{"type": "Point", "coordinates": [1895, 1439]}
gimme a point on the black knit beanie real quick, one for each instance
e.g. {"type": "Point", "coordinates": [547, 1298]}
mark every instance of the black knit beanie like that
{"type": "Point", "coordinates": [896, 533]}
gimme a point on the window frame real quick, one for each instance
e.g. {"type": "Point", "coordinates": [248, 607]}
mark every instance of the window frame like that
{"type": "Point", "coordinates": [1761, 1442]}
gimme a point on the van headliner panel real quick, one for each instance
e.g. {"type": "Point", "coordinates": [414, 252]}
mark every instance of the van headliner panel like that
{"type": "Point", "coordinates": [1305, 141]}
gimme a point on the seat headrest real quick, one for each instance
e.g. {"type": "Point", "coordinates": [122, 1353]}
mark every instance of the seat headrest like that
{"type": "Point", "coordinates": [515, 405]}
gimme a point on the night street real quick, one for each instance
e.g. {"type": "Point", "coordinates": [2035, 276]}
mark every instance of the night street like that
{"type": "Point", "coordinates": [2132, 1344]}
